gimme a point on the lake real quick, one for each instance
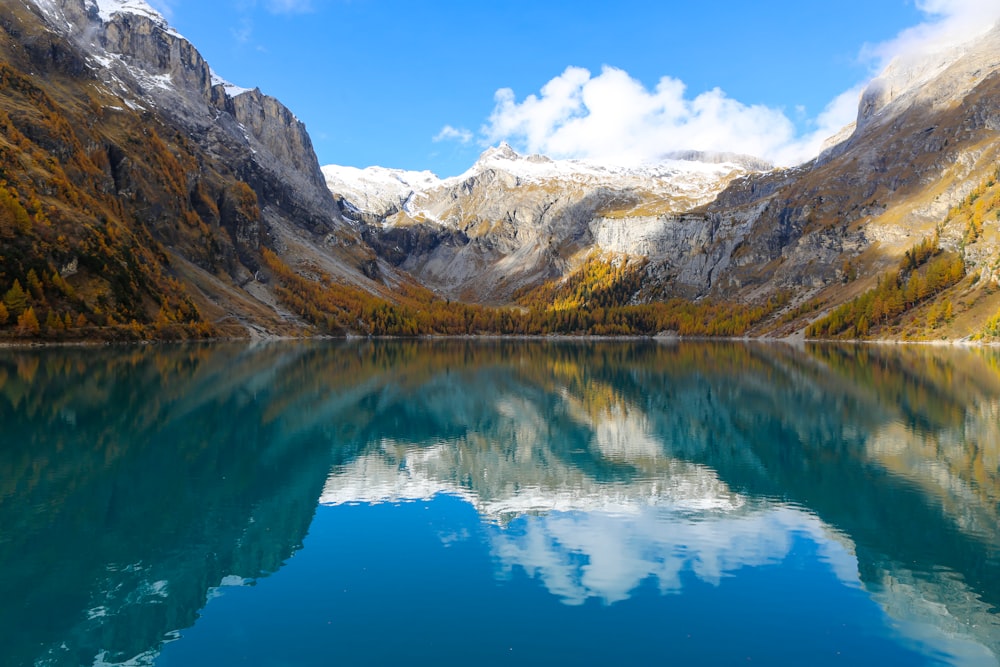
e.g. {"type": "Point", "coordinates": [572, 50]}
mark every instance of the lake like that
{"type": "Point", "coordinates": [500, 503]}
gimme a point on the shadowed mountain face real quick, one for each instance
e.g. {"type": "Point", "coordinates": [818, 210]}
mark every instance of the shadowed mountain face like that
{"type": "Point", "coordinates": [138, 185]}
{"type": "Point", "coordinates": [136, 482]}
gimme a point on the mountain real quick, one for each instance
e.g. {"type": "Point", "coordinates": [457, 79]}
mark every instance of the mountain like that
{"type": "Point", "coordinates": [144, 196]}
{"type": "Point", "coordinates": [921, 162]}
{"type": "Point", "coordinates": [147, 186]}
{"type": "Point", "coordinates": [512, 221]}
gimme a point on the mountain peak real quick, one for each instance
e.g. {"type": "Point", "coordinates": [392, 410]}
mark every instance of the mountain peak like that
{"type": "Point", "coordinates": [108, 8]}
{"type": "Point", "coordinates": [69, 16]}
{"type": "Point", "coordinates": [502, 151]}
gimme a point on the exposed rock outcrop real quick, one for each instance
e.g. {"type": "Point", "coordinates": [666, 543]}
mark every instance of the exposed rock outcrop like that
{"type": "Point", "coordinates": [512, 221]}
{"type": "Point", "coordinates": [926, 133]}
{"type": "Point", "coordinates": [221, 136]}
{"type": "Point", "coordinates": [152, 66]}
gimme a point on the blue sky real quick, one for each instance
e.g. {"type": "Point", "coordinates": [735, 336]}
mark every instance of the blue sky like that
{"type": "Point", "coordinates": [414, 85]}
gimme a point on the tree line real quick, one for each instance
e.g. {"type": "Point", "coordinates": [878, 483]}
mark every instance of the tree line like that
{"type": "Point", "coordinates": [924, 271]}
{"type": "Point", "coordinates": [584, 305]}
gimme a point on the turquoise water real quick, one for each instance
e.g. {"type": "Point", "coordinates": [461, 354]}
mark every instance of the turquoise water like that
{"type": "Point", "coordinates": [500, 503]}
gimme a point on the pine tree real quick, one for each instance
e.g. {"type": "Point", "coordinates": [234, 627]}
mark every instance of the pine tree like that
{"type": "Point", "coordinates": [27, 323]}
{"type": "Point", "coordinates": [53, 322]}
{"type": "Point", "coordinates": [35, 285]}
{"type": "Point", "coordinates": [15, 299]}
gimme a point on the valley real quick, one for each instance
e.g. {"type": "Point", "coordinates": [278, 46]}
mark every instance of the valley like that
{"type": "Point", "coordinates": [144, 197]}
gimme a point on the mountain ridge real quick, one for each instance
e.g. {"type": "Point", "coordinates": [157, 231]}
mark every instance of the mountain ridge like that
{"type": "Point", "coordinates": [512, 220]}
{"type": "Point", "coordinates": [248, 177]}
{"type": "Point", "coordinates": [124, 142]}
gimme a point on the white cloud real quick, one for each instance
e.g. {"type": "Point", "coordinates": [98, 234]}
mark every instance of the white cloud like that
{"type": "Point", "coordinates": [949, 23]}
{"type": "Point", "coordinates": [449, 133]}
{"type": "Point", "coordinates": [841, 111]}
{"type": "Point", "coordinates": [613, 117]}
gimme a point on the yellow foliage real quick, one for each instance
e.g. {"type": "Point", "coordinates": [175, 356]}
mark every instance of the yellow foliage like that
{"type": "Point", "coordinates": [924, 272]}
{"type": "Point", "coordinates": [339, 309]}
{"type": "Point", "coordinates": [27, 323]}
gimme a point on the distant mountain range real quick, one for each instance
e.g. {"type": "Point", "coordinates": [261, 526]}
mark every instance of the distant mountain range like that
{"type": "Point", "coordinates": [146, 197]}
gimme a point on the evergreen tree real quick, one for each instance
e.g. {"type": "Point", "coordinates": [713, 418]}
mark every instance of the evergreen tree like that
{"type": "Point", "coordinates": [53, 322]}
{"type": "Point", "coordinates": [35, 285]}
{"type": "Point", "coordinates": [27, 323]}
{"type": "Point", "coordinates": [15, 299]}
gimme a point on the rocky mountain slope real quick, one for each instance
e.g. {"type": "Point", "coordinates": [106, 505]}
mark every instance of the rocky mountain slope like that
{"type": "Point", "coordinates": [146, 197]}
{"type": "Point", "coordinates": [513, 221]}
{"type": "Point", "coordinates": [123, 148]}
{"type": "Point", "coordinates": [812, 236]}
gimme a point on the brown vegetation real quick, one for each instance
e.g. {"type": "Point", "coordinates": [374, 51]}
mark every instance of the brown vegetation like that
{"type": "Point", "coordinates": [586, 304]}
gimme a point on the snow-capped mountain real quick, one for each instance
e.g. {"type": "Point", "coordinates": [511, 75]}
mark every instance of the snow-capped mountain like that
{"type": "Point", "coordinates": [217, 172]}
{"type": "Point", "coordinates": [379, 191]}
{"type": "Point", "coordinates": [926, 135]}
{"type": "Point", "coordinates": [511, 220]}
{"type": "Point", "coordinates": [202, 175]}
{"type": "Point", "coordinates": [108, 8]}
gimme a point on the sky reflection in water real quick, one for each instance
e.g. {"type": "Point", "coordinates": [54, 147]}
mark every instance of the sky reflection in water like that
{"type": "Point", "coordinates": [491, 503]}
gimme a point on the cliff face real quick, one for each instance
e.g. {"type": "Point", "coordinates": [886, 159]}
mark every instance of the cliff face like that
{"type": "Point", "coordinates": [925, 139]}
{"type": "Point", "coordinates": [277, 130]}
{"type": "Point", "coordinates": [513, 221]}
{"type": "Point", "coordinates": [198, 172]}
{"type": "Point", "coordinates": [152, 65]}
{"type": "Point", "coordinates": [926, 136]}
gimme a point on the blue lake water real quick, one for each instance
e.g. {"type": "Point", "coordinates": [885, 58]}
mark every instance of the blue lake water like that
{"type": "Point", "coordinates": [500, 503]}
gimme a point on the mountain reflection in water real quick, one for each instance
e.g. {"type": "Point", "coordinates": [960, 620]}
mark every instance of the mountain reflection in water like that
{"type": "Point", "coordinates": [135, 482]}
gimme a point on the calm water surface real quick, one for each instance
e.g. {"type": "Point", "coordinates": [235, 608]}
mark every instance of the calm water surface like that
{"type": "Point", "coordinates": [495, 503]}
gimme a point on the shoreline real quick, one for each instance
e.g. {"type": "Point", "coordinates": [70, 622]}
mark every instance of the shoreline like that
{"type": "Point", "coordinates": [793, 340]}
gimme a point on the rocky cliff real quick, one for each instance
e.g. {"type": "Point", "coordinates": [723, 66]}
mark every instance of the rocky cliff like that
{"type": "Point", "coordinates": [925, 141]}
{"type": "Point", "coordinates": [145, 192]}
{"type": "Point", "coordinates": [150, 64]}
{"type": "Point", "coordinates": [513, 221]}
{"type": "Point", "coordinates": [202, 174]}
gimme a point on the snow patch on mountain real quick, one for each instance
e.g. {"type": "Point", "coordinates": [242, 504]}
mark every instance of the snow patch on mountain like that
{"type": "Point", "coordinates": [231, 89]}
{"type": "Point", "coordinates": [107, 9]}
{"type": "Point", "coordinates": [51, 11]}
{"type": "Point", "coordinates": [379, 191]}
{"type": "Point", "coordinates": [540, 168]}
